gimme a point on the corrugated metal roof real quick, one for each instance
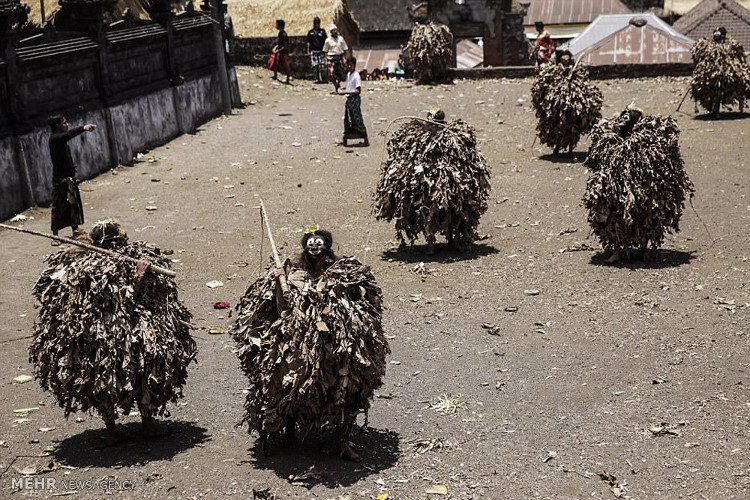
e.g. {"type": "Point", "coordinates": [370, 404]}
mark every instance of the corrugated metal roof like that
{"type": "Point", "coordinates": [376, 58]}
{"type": "Point", "coordinates": [469, 54]}
{"type": "Point", "coordinates": [571, 11]}
{"type": "Point", "coordinates": [557, 33]}
{"type": "Point", "coordinates": [637, 45]}
{"type": "Point", "coordinates": [705, 17]}
{"type": "Point", "coordinates": [605, 26]}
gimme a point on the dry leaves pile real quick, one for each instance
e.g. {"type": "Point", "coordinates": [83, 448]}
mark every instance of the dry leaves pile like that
{"type": "Point", "coordinates": [567, 104]}
{"type": "Point", "coordinates": [430, 50]}
{"type": "Point", "coordinates": [721, 76]}
{"type": "Point", "coordinates": [99, 346]}
{"type": "Point", "coordinates": [435, 181]}
{"type": "Point", "coordinates": [319, 363]}
{"type": "Point", "coordinates": [637, 185]}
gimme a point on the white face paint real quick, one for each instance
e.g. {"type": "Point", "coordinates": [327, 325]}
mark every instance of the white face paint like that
{"type": "Point", "coordinates": [315, 245]}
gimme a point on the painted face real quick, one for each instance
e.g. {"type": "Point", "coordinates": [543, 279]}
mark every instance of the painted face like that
{"type": "Point", "coordinates": [315, 245]}
{"type": "Point", "coordinates": [626, 121]}
{"type": "Point", "coordinates": [719, 35]}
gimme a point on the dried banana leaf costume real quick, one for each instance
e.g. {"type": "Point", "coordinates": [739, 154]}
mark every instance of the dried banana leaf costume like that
{"type": "Point", "coordinates": [316, 365]}
{"type": "Point", "coordinates": [101, 341]}
{"type": "Point", "coordinates": [567, 104]}
{"type": "Point", "coordinates": [721, 76]}
{"type": "Point", "coordinates": [430, 50]}
{"type": "Point", "coordinates": [637, 182]}
{"type": "Point", "coordinates": [434, 181]}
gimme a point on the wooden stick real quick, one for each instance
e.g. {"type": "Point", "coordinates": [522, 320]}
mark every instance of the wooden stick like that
{"type": "Point", "coordinates": [276, 258]}
{"type": "Point", "coordinates": [155, 268]}
{"type": "Point", "coordinates": [683, 99]}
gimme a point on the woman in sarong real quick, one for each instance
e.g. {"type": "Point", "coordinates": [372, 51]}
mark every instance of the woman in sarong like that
{"type": "Point", "coordinates": [280, 57]}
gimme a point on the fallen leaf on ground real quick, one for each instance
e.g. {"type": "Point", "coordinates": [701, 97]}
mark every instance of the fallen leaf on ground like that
{"type": "Point", "coordinates": [437, 489]}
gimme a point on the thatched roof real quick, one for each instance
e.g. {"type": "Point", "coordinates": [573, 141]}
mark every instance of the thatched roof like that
{"type": "Point", "coordinates": [256, 18]}
{"type": "Point", "coordinates": [51, 6]}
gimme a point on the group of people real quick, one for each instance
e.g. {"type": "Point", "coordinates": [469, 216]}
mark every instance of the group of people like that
{"type": "Point", "coordinates": [332, 52]}
{"type": "Point", "coordinates": [309, 330]}
{"type": "Point", "coordinates": [328, 53]}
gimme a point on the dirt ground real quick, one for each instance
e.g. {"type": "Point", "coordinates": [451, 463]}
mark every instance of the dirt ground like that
{"type": "Point", "coordinates": [570, 388]}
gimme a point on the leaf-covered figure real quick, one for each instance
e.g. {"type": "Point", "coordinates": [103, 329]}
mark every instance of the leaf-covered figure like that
{"type": "Point", "coordinates": [434, 181]}
{"type": "Point", "coordinates": [567, 104]}
{"type": "Point", "coordinates": [637, 182]}
{"type": "Point", "coordinates": [315, 354]}
{"type": "Point", "coordinates": [430, 50]}
{"type": "Point", "coordinates": [111, 336]}
{"type": "Point", "coordinates": [721, 76]}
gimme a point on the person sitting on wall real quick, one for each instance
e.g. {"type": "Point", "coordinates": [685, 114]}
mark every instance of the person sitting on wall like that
{"type": "Point", "coordinates": [67, 207]}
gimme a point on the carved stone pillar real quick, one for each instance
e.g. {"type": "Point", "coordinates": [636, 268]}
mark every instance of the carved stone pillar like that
{"type": "Point", "coordinates": [87, 16]}
{"type": "Point", "coordinates": [12, 14]}
{"type": "Point", "coordinates": [161, 12]}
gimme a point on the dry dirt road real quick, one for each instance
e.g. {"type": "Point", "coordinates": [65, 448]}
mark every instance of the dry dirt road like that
{"type": "Point", "coordinates": [563, 393]}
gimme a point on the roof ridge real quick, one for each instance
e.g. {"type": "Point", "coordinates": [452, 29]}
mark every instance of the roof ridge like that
{"type": "Point", "coordinates": [702, 11]}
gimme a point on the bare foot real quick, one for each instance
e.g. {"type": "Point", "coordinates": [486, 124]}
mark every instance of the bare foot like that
{"type": "Point", "coordinates": [263, 444]}
{"type": "Point", "coordinates": [614, 258]}
{"type": "Point", "coordinates": [55, 243]}
{"type": "Point", "coordinates": [347, 453]}
{"type": "Point", "coordinates": [290, 434]}
{"type": "Point", "coordinates": [151, 428]}
{"type": "Point", "coordinates": [114, 436]}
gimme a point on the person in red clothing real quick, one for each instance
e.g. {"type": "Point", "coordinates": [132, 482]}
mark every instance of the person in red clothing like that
{"type": "Point", "coordinates": [544, 47]}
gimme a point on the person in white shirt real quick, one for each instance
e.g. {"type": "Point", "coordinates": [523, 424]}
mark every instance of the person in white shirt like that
{"type": "Point", "coordinates": [335, 50]}
{"type": "Point", "coordinates": [354, 124]}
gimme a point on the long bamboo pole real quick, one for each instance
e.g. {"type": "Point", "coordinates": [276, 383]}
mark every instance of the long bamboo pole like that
{"type": "Point", "coordinates": [276, 258]}
{"type": "Point", "coordinates": [683, 99]}
{"type": "Point", "coordinates": [155, 268]}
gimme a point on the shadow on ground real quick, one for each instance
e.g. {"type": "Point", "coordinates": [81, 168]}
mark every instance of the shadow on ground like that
{"type": "Point", "coordinates": [575, 157]}
{"type": "Point", "coordinates": [87, 448]}
{"type": "Point", "coordinates": [443, 253]}
{"type": "Point", "coordinates": [315, 462]}
{"type": "Point", "coordinates": [652, 259]}
{"type": "Point", "coordinates": [730, 115]}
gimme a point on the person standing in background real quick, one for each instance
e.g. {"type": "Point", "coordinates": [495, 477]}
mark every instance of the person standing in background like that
{"type": "Point", "coordinates": [544, 47]}
{"type": "Point", "coordinates": [335, 50]}
{"type": "Point", "coordinates": [316, 39]}
{"type": "Point", "coordinates": [280, 58]}
{"type": "Point", "coordinates": [354, 124]}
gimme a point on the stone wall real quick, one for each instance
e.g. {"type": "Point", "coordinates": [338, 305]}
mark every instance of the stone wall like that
{"type": "Point", "coordinates": [256, 51]}
{"type": "Point", "coordinates": [141, 85]}
{"type": "Point", "coordinates": [130, 127]}
{"type": "Point", "coordinates": [603, 72]}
